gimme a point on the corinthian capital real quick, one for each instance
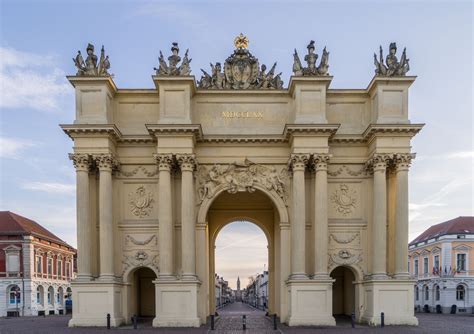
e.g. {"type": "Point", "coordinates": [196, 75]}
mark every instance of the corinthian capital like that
{"type": "Point", "coordinates": [402, 161]}
{"type": "Point", "coordinates": [81, 161]}
{"type": "Point", "coordinates": [378, 162]}
{"type": "Point", "coordinates": [187, 162]}
{"type": "Point", "coordinates": [298, 161]}
{"type": "Point", "coordinates": [320, 161]}
{"type": "Point", "coordinates": [164, 161]}
{"type": "Point", "coordinates": [106, 161]}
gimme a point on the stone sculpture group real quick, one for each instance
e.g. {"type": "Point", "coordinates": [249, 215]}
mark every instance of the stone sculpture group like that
{"type": "Point", "coordinates": [241, 69]}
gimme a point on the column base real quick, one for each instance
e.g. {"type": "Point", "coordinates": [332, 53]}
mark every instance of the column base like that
{"type": "Point", "coordinates": [402, 276]}
{"type": "Point", "coordinates": [310, 303]}
{"type": "Point", "coordinates": [298, 276]}
{"type": "Point", "coordinates": [392, 297]}
{"type": "Point", "coordinates": [93, 301]}
{"type": "Point", "coordinates": [176, 303]}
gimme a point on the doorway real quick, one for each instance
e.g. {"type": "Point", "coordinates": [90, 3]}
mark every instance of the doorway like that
{"type": "Point", "coordinates": [343, 292]}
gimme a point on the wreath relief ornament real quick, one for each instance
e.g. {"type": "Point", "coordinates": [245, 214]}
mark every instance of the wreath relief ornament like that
{"type": "Point", "coordinates": [141, 202]}
{"type": "Point", "coordinates": [344, 199]}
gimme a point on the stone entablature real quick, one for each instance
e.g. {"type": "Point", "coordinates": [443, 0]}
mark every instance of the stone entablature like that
{"type": "Point", "coordinates": [332, 167]}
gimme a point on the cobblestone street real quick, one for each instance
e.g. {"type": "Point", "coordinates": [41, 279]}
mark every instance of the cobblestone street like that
{"type": "Point", "coordinates": [230, 322]}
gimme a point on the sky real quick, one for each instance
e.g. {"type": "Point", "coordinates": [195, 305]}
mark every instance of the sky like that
{"type": "Point", "coordinates": [39, 38]}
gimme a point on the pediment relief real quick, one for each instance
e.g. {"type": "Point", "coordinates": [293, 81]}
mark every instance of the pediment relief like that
{"type": "Point", "coordinates": [12, 249]}
{"type": "Point", "coordinates": [425, 252]}
{"type": "Point", "coordinates": [241, 177]}
{"type": "Point", "coordinates": [435, 250]}
{"type": "Point", "coordinates": [462, 247]}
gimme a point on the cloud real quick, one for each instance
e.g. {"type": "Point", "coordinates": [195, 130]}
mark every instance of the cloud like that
{"type": "Point", "coordinates": [51, 187]}
{"type": "Point", "coordinates": [13, 147]}
{"type": "Point", "coordinates": [452, 155]}
{"type": "Point", "coordinates": [29, 80]}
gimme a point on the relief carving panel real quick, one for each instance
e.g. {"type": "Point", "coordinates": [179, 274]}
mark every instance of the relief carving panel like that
{"type": "Point", "coordinates": [344, 200]}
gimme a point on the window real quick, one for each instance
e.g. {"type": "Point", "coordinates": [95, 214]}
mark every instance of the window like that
{"type": "Point", "coordinates": [417, 293]}
{"type": "Point", "coordinates": [39, 295]}
{"type": "Point", "coordinates": [39, 264]}
{"type": "Point", "coordinates": [13, 262]}
{"type": "Point", "coordinates": [50, 266]}
{"type": "Point", "coordinates": [50, 295]}
{"type": "Point", "coordinates": [437, 292]}
{"type": "Point", "coordinates": [416, 267]}
{"type": "Point", "coordinates": [436, 262]}
{"type": "Point", "coordinates": [427, 293]}
{"type": "Point", "coordinates": [461, 262]}
{"type": "Point", "coordinates": [425, 265]}
{"type": "Point", "coordinates": [14, 295]}
{"type": "Point", "coordinates": [60, 268]}
{"type": "Point", "coordinates": [460, 292]}
{"type": "Point", "coordinates": [68, 266]}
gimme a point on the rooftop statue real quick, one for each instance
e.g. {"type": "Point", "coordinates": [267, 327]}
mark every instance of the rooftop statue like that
{"type": "Point", "coordinates": [90, 67]}
{"type": "Point", "coordinates": [241, 71]}
{"type": "Point", "coordinates": [172, 68]}
{"type": "Point", "coordinates": [311, 59]}
{"type": "Point", "coordinates": [392, 66]}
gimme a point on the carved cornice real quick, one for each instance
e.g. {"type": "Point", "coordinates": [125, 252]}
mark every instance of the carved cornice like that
{"type": "Point", "coordinates": [92, 130]}
{"type": "Point", "coordinates": [320, 130]}
{"type": "Point", "coordinates": [400, 130]}
{"type": "Point", "coordinates": [106, 162]}
{"type": "Point", "coordinates": [187, 162]}
{"type": "Point", "coordinates": [243, 139]}
{"type": "Point", "coordinates": [157, 130]}
{"type": "Point", "coordinates": [81, 161]}
{"type": "Point", "coordinates": [165, 162]}
{"type": "Point", "coordinates": [298, 161]}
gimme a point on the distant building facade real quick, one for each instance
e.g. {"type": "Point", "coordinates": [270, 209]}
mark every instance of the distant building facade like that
{"type": "Point", "coordinates": [238, 292]}
{"type": "Point", "coordinates": [256, 292]}
{"type": "Point", "coordinates": [224, 294]}
{"type": "Point", "coordinates": [441, 259]}
{"type": "Point", "coordinates": [36, 268]}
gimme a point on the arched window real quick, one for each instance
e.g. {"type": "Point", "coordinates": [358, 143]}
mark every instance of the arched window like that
{"type": "Point", "coordinates": [417, 293]}
{"type": "Point", "coordinates": [14, 295]}
{"type": "Point", "coordinates": [460, 292]}
{"type": "Point", "coordinates": [39, 295]}
{"type": "Point", "coordinates": [50, 295]}
{"type": "Point", "coordinates": [436, 291]}
{"type": "Point", "coordinates": [427, 293]}
{"type": "Point", "coordinates": [60, 296]}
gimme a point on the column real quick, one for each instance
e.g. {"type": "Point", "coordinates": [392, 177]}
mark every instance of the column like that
{"type": "Point", "coordinates": [82, 163]}
{"type": "Point", "coordinates": [165, 217]}
{"type": "Point", "coordinates": [187, 163]}
{"type": "Point", "coordinates": [402, 164]}
{"type": "Point", "coordinates": [379, 219]}
{"type": "Point", "coordinates": [298, 225]}
{"type": "Point", "coordinates": [106, 163]}
{"type": "Point", "coordinates": [321, 215]}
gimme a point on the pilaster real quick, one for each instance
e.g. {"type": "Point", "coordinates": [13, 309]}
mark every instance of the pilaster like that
{"type": "Point", "coordinates": [320, 168]}
{"type": "Point", "coordinates": [82, 163]}
{"type": "Point", "coordinates": [165, 216]}
{"type": "Point", "coordinates": [106, 163]}
{"type": "Point", "coordinates": [297, 165]}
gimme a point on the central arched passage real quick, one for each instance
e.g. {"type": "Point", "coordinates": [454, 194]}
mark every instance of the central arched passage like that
{"type": "Point", "coordinates": [264, 210]}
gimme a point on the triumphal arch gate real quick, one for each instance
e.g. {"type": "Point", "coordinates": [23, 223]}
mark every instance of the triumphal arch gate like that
{"type": "Point", "coordinates": [323, 172]}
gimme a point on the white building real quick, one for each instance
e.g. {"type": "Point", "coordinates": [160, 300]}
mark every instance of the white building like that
{"type": "Point", "coordinates": [441, 259]}
{"type": "Point", "coordinates": [36, 268]}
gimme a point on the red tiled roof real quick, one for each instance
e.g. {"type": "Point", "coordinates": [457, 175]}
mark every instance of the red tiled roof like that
{"type": "Point", "coordinates": [460, 225]}
{"type": "Point", "coordinates": [13, 224]}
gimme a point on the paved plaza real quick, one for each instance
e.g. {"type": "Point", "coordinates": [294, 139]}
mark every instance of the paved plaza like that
{"type": "Point", "coordinates": [229, 321]}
